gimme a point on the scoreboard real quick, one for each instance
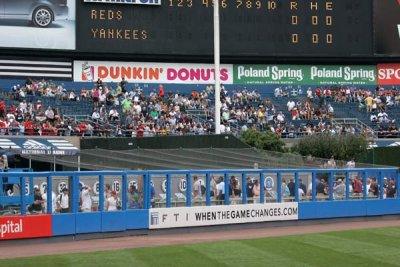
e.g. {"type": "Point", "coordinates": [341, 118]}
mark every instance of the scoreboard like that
{"type": "Point", "coordinates": [248, 28]}
{"type": "Point", "coordinates": [354, 31]}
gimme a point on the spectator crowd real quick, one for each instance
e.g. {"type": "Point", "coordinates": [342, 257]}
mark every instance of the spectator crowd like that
{"type": "Point", "coordinates": [124, 110]}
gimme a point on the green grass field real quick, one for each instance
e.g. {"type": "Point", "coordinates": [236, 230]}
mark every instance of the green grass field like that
{"type": "Point", "coordinates": [372, 247]}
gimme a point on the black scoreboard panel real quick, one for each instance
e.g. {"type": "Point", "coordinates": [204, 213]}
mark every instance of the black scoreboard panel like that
{"type": "Point", "coordinates": [387, 27]}
{"type": "Point", "coordinates": [251, 28]}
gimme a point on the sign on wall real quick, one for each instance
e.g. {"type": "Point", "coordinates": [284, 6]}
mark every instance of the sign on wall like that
{"type": "Point", "coordinates": [389, 74]}
{"type": "Point", "coordinates": [17, 227]}
{"type": "Point", "coordinates": [149, 72]}
{"type": "Point", "coordinates": [217, 215]}
{"type": "Point", "coordinates": [39, 146]}
{"type": "Point", "coordinates": [304, 74]}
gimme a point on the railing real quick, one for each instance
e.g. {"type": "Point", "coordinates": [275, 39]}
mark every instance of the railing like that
{"type": "Point", "coordinates": [147, 200]}
{"type": "Point", "coordinates": [77, 118]}
{"type": "Point", "coordinates": [176, 188]}
{"type": "Point", "coordinates": [354, 122]}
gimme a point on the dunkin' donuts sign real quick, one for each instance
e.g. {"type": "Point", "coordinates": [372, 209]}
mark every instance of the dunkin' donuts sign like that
{"type": "Point", "coordinates": [389, 74]}
{"type": "Point", "coordinates": [142, 72]}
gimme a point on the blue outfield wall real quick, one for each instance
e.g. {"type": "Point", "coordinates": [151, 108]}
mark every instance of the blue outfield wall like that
{"type": "Point", "coordinates": [354, 208]}
{"type": "Point", "coordinates": [170, 193]}
{"type": "Point", "coordinates": [99, 222]}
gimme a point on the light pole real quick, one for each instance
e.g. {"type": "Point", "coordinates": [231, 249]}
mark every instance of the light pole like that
{"type": "Point", "coordinates": [217, 112]}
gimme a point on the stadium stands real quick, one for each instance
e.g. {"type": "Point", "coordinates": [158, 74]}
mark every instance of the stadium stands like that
{"type": "Point", "coordinates": [107, 111]}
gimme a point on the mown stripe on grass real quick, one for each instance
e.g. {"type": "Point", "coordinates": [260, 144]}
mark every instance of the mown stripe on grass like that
{"type": "Point", "coordinates": [368, 250]}
{"type": "Point", "coordinates": [95, 259]}
{"type": "Point", "coordinates": [386, 237]}
{"type": "Point", "coordinates": [304, 254]}
{"type": "Point", "coordinates": [240, 253]}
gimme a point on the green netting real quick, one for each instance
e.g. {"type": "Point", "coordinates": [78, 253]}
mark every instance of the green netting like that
{"type": "Point", "coordinates": [185, 159]}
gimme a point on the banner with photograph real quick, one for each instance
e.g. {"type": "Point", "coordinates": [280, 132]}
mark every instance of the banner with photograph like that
{"type": "Point", "coordinates": [38, 24]}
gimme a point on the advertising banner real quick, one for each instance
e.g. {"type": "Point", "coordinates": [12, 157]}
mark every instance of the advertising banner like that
{"type": "Point", "coordinates": [150, 72]}
{"type": "Point", "coordinates": [388, 74]}
{"type": "Point", "coordinates": [17, 227]}
{"type": "Point", "coordinates": [217, 215]}
{"type": "Point", "coordinates": [41, 24]}
{"type": "Point", "coordinates": [326, 75]}
{"type": "Point", "coordinates": [269, 74]}
{"type": "Point", "coordinates": [304, 74]}
{"type": "Point", "coordinates": [40, 146]}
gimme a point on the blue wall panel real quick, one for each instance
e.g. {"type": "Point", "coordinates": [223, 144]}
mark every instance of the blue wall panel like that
{"type": "Point", "coordinates": [383, 207]}
{"type": "Point", "coordinates": [137, 219]}
{"type": "Point", "coordinates": [88, 222]}
{"type": "Point", "coordinates": [63, 224]}
{"type": "Point", "coordinates": [331, 209]}
{"type": "Point", "coordinates": [113, 221]}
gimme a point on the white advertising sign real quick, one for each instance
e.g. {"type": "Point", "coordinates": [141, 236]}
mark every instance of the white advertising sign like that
{"type": "Point", "coordinates": [216, 215]}
{"type": "Point", "coordinates": [149, 72]}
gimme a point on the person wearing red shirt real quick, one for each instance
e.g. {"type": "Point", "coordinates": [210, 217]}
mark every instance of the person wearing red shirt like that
{"type": "Point", "coordinates": [3, 127]}
{"type": "Point", "coordinates": [318, 92]}
{"type": "Point", "coordinates": [2, 108]}
{"type": "Point", "coordinates": [161, 92]}
{"type": "Point", "coordinates": [46, 129]}
{"type": "Point", "coordinates": [28, 125]}
{"type": "Point", "coordinates": [140, 130]}
{"type": "Point", "coordinates": [12, 110]}
{"type": "Point", "coordinates": [82, 128]}
{"type": "Point", "coordinates": [357, 186]}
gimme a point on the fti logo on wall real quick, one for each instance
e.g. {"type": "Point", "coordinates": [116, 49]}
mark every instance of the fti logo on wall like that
{"type": "Point", "coordinates": [132, 2]}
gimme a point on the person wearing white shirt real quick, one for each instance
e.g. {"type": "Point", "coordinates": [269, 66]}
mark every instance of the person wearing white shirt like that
{"type": "Point", "coordinates": [221, 189]}
{"type": "Point", "coordinates": [53, 202]}
{"type": "Point", "coordinates": [112, 202]}
{"type": "Point", "coordinates": [301, 193]}
{"type": "Point", "coordinates": [309, 93]}
{"type": "Point", "coordinates": [309, 189]}
{"type": "Point", "coordinates": [63, 201]}
{"type": "Point", "coordinates": [290, 104]}
{"type": "Point", "coordinates": [222, 128]}
{"type": "Point", "coordinates": [351, 164]}
{"type": "Point", "coordinates": [280, 117]}
{"type": "Point", "coordinates": [113, 114]}
{"type": "Point", "coordinates": [86, 205]}
{"type": "Point", "coordinates": [278, 92]}
{"type": "Point", "coordinates": [95, 115]}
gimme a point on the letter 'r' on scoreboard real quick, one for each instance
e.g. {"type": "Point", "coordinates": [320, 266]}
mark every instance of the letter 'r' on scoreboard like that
{"type": "Point", "coordinates": [132, 2]}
